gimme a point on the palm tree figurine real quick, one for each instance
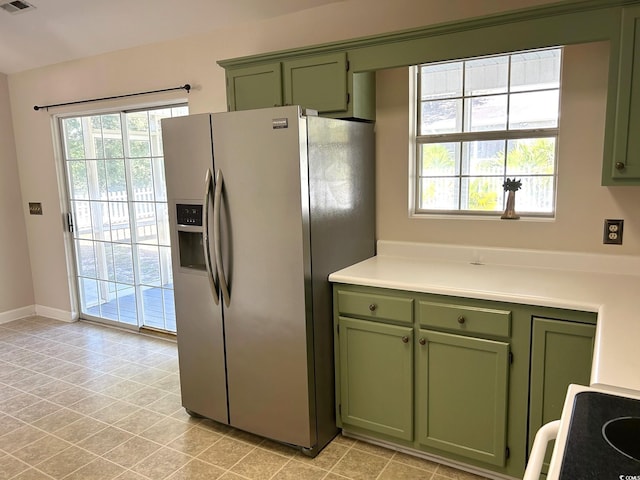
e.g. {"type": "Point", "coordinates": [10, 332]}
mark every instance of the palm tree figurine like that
{"type": "Point", "coordinates": [511, 186]}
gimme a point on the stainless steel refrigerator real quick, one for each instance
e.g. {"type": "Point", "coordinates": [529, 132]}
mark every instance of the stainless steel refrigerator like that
{"type": "Point", "coordinates": [263, 205]}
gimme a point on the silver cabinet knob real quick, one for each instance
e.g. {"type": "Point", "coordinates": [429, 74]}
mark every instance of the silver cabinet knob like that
{"type": "Point", "coordinates": [373, 307]}
{"type": "Point", "coordinates": [620, 166]}
{"type": "Point", "coordinates": [405, 339]}
{"type": "Point", "coordinates": [461, 320]}
{"type": "Point", "coordinates": [422, 341]}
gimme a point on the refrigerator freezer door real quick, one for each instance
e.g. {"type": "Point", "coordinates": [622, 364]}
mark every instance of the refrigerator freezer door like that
{"type": "Point", "coordinates": [188, 156]}
{"type": "Point", "coordinates": [265, 242]}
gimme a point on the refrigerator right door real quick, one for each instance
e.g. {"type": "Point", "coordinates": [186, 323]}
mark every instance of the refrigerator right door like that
{"type": "Point", "coordinates": [259, 156]}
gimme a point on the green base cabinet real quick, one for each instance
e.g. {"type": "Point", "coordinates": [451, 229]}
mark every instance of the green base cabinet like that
{"type": "Point", "coordinates": [621, 164]}
{"type": "Point", "coordinates": [463, 386]}
{"type": "Point", "coordinates": [561, 354]}
{"type": "Point", "coordinates": [467, 380]}
{"type": "Point", "coordinates": [376, 384]}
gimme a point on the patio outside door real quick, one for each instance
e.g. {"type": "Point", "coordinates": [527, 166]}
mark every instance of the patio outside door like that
{"type": "Point", "coordinates": [118, 202]}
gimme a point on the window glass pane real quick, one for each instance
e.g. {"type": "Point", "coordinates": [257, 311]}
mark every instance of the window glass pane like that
{"type": "Point", "coordinates": [481, 194]}
{"type": "Point", "coordinates": [138, 132]}
{"type": "Point", "coordinates": [146, 223]}
{"type": "Point", "coordinates": [534, 110]}
{"type": "Point", "coordinates": [162, 215]}
{"type": "Point", "coordinates": [159, 181]}
{"type": "Point", "coordinates": [485, 113]}
{"type": "Point", "coordinates": [86, 258]}
{"type": "Point", "coordinates": [440, 159]}
{"type": "Point", "coordinates": [101, 224]}
{"type": "Point", "coordinates": [441, 81]}
{"type": "Point", "coordinates": [73, 138]}
{"type": "Point", "coordinates": [155, 128]}
{"type": "Point", "coordinates": [116, 180]}
{"type": "Point", "coordinates": [441, 116]}
{"type": "Point", "coordinates": [439, 193]}
{"type": "Point", "coordinates": [97, 180]}
{"type": "Point", "coordinates": [149, 265]}
{"type": "Point", "coordinates": [127, 308]}
{"type": "Point", "coordinates": [536, 195]}
{"type": "Point", "coordinates": [531, 156]}
{"type": "Point", "coordinates": [141, 179]}
{"type": "Point", "coordinates": [483, 157]}
{"type": "Point", "coordinates": [82, 219]}
{"type": "Point", "coordinates": [78, 180]}
{"type": "Point", "coordinates": [120, 228]}
{"type": "Point", "coordinates": [486, 76]}
{"type": "Point", "coordinates": [535, 70]}
{"type": "Point", "coordinates": [123, 259]}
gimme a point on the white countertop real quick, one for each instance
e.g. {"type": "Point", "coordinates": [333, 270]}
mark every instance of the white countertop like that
{"type": "Point", "coordinates": [606, 284]}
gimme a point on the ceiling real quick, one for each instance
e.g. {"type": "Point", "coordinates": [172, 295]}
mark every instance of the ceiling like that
{"type": "Point", "coordinates": [61, 30]}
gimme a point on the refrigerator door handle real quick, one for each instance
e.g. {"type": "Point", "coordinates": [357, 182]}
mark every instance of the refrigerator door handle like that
{"type": "Point", "coordinates": [217, 202]}
{"type": "Point", "coordinates": [212, 274]}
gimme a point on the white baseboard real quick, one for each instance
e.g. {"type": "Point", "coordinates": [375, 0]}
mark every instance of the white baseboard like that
{"type": "Point", "coordinates": [56, 314]}
{"type": "Point", "coordinates": [17, 314]}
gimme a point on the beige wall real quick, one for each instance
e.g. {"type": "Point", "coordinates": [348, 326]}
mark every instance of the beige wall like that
{"type": "Point", "coordinates": [582, 204]}
{"type": "Point", "coordinates": [16, 291]}
{"type": "Point", "coordinates": [192, 60]}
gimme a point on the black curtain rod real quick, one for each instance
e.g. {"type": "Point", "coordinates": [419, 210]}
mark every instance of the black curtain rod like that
{"type": "Point", "coordinates": [186, 87]}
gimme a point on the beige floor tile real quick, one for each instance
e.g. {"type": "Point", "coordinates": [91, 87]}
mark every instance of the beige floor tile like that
{"type": "Point", "coordinates": [131, 452]}
{"type": "Point", "coordinates": [245, 436]}
{"type": "Point", "coordinates": [70, 396]}
{"type": "Point", "coordinates": [129, 475]}
{"type": "Point", "coordinates": [395, 470]}
{"type": "Point", "coordinates": [279, 448]}
{"type": "Point", "coordinates": [52, 388]}
{"type": "Point", "coordinates": [139, 421]}
{"type": "Point", "coordinates": [80, 429]}
{"type": "Point", "coordinates": [295, 470]}
{"type": "Point", "coordinates": [217, 427]}
{"type": "Point", "coordinates": [105, 440]}
{"type": "Point", "coordinates": [169, 383]}
{"type": "Point", "coordinates": [359, 465]}
{"type": "Point", "coordinates": [57, 420]}
{"type": "Point", "coordinates": [7, 392]}
{"type": "Point", "coordinates": [99, 469]}
{"type": "Point", "coordinates": [144, 396]}
{"type": "Point", "coordinates": [450, 473]}
{"type": "Point", "coordinates": [36, 411]}
{"type": "Point", "coordinates": [92, 404]}
{"type": "Point", "coordinates": [66, 462]}
{"type": "Point", "coordinates": [226, 452]}
{"type": "Point", "coordinates": [161, 463]}
{"type": "Point", "coordinates": [194, 441]}
{"type": "Point", "coordinates": [374, 449]}
{"type": "Point", "coordinates": [198, 470]}
{"type": "Point", "coordinates": [260, 464]}
{"type": "Point", "coordinates": [327, 458]}
{"type": "Point", "coordinates": [232, 476]}
{"type": "Point", "coordinates": [166, 430]}
{"type": "Point", "coordinates": [10, 467]}
{"type": "Point", "coordinates": [9, 424]}
{"type": "Point", "coordinates": [114, 412]}
{"type": "Point", "coordinates": [167, 405]}
{"type": "Point", "coordinates": [19, 438]}
{"type": "Point", "coordinates": [31, 474]}
{"type": "Point", "coordinates": [149, 376]}
{"type": "Point", "coordinates": [40, 450]}
{"type": "Point", "coordinates": [122, 389]}
{"type": "Point", "coordinates": [18, 402]}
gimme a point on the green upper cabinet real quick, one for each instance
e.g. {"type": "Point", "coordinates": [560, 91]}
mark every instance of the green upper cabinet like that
{"type": "Point", "coordinates": [462, 400]}
{"type": "Point", "coordinates": [256, 86]}
{"type": "Point", "coordinates": [318, 82]}
{"type": "Point", "coordinates": [376, 379]}
{"type": "Point", "coordinates": [622, 143]}
{"type": "Point", "coordinates": [561, 354]}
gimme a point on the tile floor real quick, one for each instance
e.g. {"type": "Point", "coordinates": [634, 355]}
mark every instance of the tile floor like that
{"type": "Point", "coordinates": [83, 401]}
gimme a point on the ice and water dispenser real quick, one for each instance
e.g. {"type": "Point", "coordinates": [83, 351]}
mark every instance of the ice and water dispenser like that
{"type": "Point", "coordinates": [189, 220]}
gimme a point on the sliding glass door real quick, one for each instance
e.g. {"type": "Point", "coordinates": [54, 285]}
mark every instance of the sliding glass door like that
{"type": "Point", "coordinates": [118, 204]}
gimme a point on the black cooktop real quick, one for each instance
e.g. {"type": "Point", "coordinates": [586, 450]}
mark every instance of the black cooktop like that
{"type": "Point", "coordinates": [587, 454]}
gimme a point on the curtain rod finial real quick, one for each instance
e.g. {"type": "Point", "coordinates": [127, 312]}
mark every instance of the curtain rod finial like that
{"type": "Point", "coordinates": [36, 108]}
{"type": "Point", "coordinates": [187, 87]}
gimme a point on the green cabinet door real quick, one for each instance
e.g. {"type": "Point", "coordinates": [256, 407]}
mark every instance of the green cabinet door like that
{"type": "Point", "coordinates": [622, 143]}
{"type": "Point", "coordinates": [318, 82]}
{"type": "Point", "coordinates": [462, 395]}
{"type": "Point", "coordinates": [376, 377]}
{"type": "Point", "coordinates": [258, 86]}
{"type": "Point", "coordinates": [561, 354]}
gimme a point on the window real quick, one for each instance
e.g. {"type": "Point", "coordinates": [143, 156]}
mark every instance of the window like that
{"type": "Point", "coordinates": [481, 121]}
{"type": "Point", "coordinates": [117, 196]}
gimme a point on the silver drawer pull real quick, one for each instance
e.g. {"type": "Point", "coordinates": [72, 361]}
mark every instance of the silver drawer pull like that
{"type": "Point", "coordinates": [373, 307]}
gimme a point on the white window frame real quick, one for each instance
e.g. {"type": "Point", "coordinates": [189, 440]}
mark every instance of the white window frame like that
{"type": "Point", "coordinates": [415, 142]}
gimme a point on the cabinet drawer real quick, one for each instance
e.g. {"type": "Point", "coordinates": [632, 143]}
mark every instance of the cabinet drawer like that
{"type": "Point", "coordinates": [462, 318]}
{"type": "Point", "coordinates": [375, 306]}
